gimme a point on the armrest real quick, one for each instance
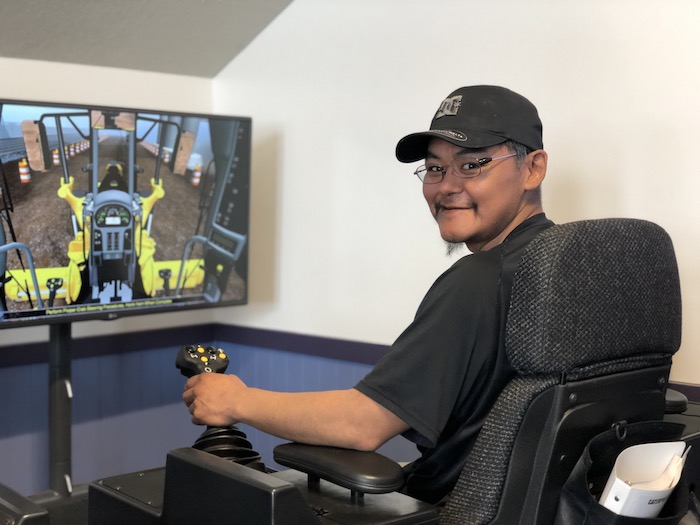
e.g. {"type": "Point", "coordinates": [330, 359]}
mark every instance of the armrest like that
{"type": "Point", "coordinates": [676, 402]}
{"type": "Point", "coordinates": [363, 472]}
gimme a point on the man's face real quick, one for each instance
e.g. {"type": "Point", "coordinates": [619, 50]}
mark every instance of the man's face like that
{"type": "Point", "coordinates": [480, 211]}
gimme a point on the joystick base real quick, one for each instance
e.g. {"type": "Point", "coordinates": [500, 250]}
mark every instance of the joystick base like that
{"type": "Point", "coordinates": [230, 443]}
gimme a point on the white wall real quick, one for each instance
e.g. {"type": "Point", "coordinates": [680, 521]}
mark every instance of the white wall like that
{"type": "Point", "coordinates": [342, 244]}
{"type": "Point", "coordinates": [68, 83]}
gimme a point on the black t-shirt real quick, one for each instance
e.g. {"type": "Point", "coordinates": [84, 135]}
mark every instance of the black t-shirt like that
{"type": "Point", "coordinates": [444, 372]}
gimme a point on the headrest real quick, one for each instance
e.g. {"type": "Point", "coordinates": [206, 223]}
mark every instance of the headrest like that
{"type": "Point", "coordinates": [591, 291]}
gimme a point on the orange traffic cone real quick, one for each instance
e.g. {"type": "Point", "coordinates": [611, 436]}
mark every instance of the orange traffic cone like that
{"type": "Point", "coordinates": [196, 175]}
{"type": "Point", "coordinates": [56, 158]}
{"type": "Point", "coordinates": [25, 175]}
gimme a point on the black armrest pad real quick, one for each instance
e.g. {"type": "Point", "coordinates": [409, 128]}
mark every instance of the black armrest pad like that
{"type": "Point", "coordinates": [367, 472]}
{"type": "Point", "coordinates": [676, 402]}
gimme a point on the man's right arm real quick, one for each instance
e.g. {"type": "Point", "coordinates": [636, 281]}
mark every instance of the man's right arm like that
{"type": "Point", "coordinates": [342, 418]}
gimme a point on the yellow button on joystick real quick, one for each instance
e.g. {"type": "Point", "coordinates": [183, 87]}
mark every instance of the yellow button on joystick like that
{"type": "Point", "coordinates": [222, 356]}
{"type": "Point", "coordinates": [204, 359]}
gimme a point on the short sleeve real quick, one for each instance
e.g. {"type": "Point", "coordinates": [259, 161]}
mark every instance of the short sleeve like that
{"type": "Point", "coordinates": [445, 353]}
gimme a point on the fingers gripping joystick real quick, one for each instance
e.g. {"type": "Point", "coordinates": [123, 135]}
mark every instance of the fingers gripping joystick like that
{"type": "Point", "coordinates": [226, 442]}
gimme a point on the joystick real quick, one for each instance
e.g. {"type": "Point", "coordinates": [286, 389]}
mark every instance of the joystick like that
{"type": "Point", "coordinates": [197, 359]}
{"type": "Point", "coordinates": [165, 274]}
{"type": "Point", "coordinates": [53, 284]}
{"type": "Point", "coordinates": [229, 443]}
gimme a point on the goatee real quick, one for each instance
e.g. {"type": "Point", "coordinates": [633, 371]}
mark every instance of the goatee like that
{"type": "Point", "coordinates": [453, 247]}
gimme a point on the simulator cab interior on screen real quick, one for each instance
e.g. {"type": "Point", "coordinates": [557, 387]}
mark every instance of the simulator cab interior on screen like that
{"type": "Point", "coordinates": [110, 212]}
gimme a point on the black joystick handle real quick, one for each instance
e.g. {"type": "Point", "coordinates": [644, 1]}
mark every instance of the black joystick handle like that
{"type": "Point", "coordinates": [229, 443]}
{"type": "Point", "coordinates": [198, 359]}
{"type": "Point", "coordinates": [53, 284]}
{"type": "Point", "coordinates": [165, 274]}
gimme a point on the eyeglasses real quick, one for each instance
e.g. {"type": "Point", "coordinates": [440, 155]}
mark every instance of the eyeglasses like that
{"type": "Point", "coordinates": [464, 167]}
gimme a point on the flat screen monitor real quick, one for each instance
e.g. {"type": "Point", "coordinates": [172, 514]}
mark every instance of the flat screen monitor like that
{"type": "Point", "coordinates": [108, 212]}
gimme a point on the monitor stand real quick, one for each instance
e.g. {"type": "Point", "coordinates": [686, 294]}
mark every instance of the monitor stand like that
{"type": "Point", "coordinates": [62, 504]}
{"type": "Point", "coordinates": [60, 409]}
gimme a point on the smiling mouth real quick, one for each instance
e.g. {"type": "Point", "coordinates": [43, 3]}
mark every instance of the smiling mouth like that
{"type": "Point", "coordinates": [447, 209]}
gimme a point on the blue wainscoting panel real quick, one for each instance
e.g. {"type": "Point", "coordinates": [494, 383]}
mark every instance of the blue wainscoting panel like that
{"type": "Point", "coordinates": [127, 413]}
{"type": "Point", "coordinates": [24, 451]}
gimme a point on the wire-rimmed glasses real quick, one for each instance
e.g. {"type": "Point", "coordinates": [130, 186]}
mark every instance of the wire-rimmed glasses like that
{"type": "Point", "coordinates": [463, 166]}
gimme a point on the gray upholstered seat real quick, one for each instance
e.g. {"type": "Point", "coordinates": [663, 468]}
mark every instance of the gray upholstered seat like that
{"type": "Point", "coordinates": [595, 317]}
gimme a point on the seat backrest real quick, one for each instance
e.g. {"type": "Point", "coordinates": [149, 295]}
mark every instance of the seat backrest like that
{"type": "Point", "coordinates": [594, 319]}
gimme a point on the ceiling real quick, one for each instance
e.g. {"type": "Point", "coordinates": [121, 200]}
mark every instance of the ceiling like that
{"type": "Point", "coordinates": [183, 37]}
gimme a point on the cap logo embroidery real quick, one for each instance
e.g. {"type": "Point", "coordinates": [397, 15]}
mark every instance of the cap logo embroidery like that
{"type": "Point", "coordinates": [457, 135]}
{"type": "Point", "coordinates": [449, 107]}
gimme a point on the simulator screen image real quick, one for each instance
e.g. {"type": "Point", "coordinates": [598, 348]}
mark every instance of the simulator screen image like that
{"type": "Point", "coordinates": [108, 212]}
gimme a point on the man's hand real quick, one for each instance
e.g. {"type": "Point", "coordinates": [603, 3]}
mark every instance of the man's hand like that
{"type": "Point", "coordinates": [211, 398]}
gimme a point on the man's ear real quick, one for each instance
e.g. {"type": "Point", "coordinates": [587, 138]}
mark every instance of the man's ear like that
{"type": "Point", "coordinates": [536, 168]}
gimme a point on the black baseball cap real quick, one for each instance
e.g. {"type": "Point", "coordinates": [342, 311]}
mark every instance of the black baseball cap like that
{"type": "Point", "coordinates": [477, 117]}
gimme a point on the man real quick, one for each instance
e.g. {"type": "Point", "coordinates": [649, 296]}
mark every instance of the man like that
{"type": "Point", "coordinates": [484, 165]}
